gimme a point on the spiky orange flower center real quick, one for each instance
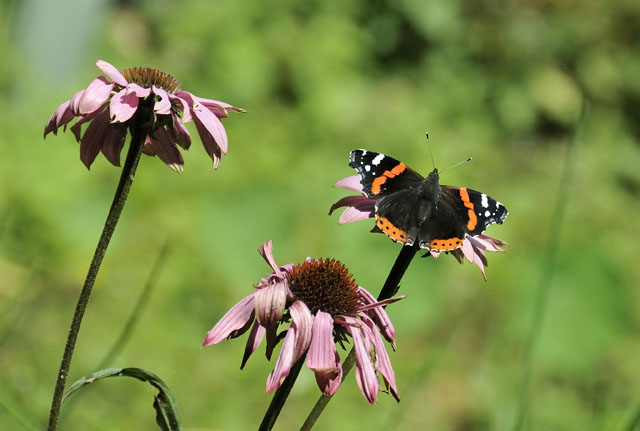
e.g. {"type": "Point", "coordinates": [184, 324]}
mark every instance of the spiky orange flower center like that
{"type": "Point", "coordinates": [324, 284]}
{"type": "Point", "coordinates": [146, 77]}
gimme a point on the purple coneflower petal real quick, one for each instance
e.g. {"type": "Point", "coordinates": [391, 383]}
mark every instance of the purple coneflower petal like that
{"type": "Point", "coordinates": [384, 363]}
{"type": "Point", "coordinates": [122, 106]}
{"type": "Point", "coordinates": [269, 303]}
{"type": "Point", "coordinates": [94, 138]}
{"type": "Point", "coordinates": [111, 72]}
{"type": "Point", "coordinates": [112, 146]}
{"type": "Point", "coordinates": [284, 361]}
{"type": "Point", "coordinates": [162, 106]}
{"type": "Point", "coordinates": [184, 107]}
{"type": "Point", "coordinates": [255, 338]}
{"type": "Point", "coordinates": [322, 356]}
{"type": "Point", "coordinates": [302, 320]}
{"type": "Point", "coordinates": [380, 316]}
{"type": "Point", "coordinates": [358, 208]}
{"type": "Point", "coordinates": [163, 145]}
{"type": "Point", "coordinates": [95, 95]}
{"type": "Point", "coordinates": [233, 319]}
{"type": "Point", "coordinates": [211, 127]}
{"type": "Point", "coordinates": [365, 371]}
{"type": "Point", "coordinates": [217, 107]}
{"type": "Point", "coordinates": [350, 183]}
{"type": "Point", "coordinates": [61, 116]}
{"type": "Point", "coordinates": [182, 136]}
{"type": "Point", "coordinates": [266, 251]}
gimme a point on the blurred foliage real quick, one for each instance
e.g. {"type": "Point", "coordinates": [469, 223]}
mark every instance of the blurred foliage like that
{"type": "Point", "coordinates": [500, 81]}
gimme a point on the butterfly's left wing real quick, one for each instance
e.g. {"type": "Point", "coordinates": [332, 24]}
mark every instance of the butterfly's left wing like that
{"type": "Point", "coordinates": [382, 175]}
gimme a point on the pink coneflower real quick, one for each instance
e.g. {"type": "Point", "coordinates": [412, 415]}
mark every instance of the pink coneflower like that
{"type": "Point", "coordinates": [320, 304]}
{"type": "Point", "coordinates": [359, 207]}
{"type": "Point", "coordinates": [141, 97]}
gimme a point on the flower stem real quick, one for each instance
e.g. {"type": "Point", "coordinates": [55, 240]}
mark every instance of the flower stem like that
{"type": "Point", "coordinates": [281, 396]}
{"type": "Point", "coordinates": [126, 178]}
{"type": "Point", "coordinates": [391, 286]}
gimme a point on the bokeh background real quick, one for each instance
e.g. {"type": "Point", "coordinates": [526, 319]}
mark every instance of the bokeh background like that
{"type": "Point", "coordinates": [500, 81]}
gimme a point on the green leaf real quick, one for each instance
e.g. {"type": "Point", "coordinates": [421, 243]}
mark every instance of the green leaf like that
{"type": "Point", "coordinates": [167, 413]}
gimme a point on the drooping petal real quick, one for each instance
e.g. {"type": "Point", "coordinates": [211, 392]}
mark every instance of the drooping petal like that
{"type": "Point", "coordinates": [350, 183]}
{"type": "Point", "coordinates": [76, 129]}
{"type": "Point", "coordinates": [322, 356]}
{"type": "Point", "coordinates": [233, 319]}
{"type": "Point", "coordinates": [209, 143]}
{"type": "Point", "coordinates": [383, 363]}
{"type": "Point", "coordinates": [112, 146]}
{"type": "Point", "coordinates": [269, 303]}
{"type": "Point", "coordinates": [182, 106]}
{"type": "Point", "coordinates": [182, 136]}
{"type": "Point", "coordinates": [209, 124]}
{"type": "Point", "coordinates": [266, 251]}
{"type": "Point", "coordinates": [217, 107]}
{"type": "Point", "coordinates": [379, 314]}
{"type": "Point", "coordinates": [95, 95]}
{"type": "Point", "coordinates": [166, 149]}
{"type": "Point", "coordinates": [365, 370]}
{"type": "Point", "coordinates": [487, 243]}
{"type": "Point", "coordinates": [358, 208]}
{"type": "Point", "coordinates": [302, 321]}
{"type": "Point", "coordinates": [94, 138]}
{"type": "Point", "coordinates": [122, 106]}
{"type": "Point", "coordinates": [111, 72]}
{"type": "Point", "coordinates": [75, 102]}
{"type": "Point", "coordinates": [474, 255]}
{"type": "Point", "coordinates": [162, 106]}
{"type": "Point", "coordinates": [60, 117]}
{"type": "Point", "coordinates": [284, 361]}
{"type": "Point", "coordinates": [255, 338]}
{"type": "Point", "coordinates": [355, 213]}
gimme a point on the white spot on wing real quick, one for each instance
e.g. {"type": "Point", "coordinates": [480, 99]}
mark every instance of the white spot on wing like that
{"type": "Point", "coordinates": [487, 213]}
{"type": "Point", "coordinates": [485, 201]}
{"type": "Point", "coordinates": [367, 168]}
{"type": "Point", "coordinates": [377, 159]}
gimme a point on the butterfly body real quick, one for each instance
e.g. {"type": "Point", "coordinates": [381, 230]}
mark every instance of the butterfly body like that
{"type": "Point", "coordinates": [413, 209]}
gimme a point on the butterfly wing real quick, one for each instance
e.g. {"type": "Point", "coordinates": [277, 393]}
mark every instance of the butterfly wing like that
{"type": "Point", "coordinates": [459, 211]}
{"type": "Point", "coordinates": [394, 186]}
{"type": "Point", "coordinates": [382, 175]}
{"type": "Point", "coordinates": [480, 210]}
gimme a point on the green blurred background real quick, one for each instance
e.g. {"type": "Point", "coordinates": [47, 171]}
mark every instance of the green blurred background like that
{"type": "Point", "coordinates": [499, 81]}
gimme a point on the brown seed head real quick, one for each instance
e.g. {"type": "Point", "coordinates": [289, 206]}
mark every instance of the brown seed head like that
{"type": "Point", "coordinates": [324, 284]}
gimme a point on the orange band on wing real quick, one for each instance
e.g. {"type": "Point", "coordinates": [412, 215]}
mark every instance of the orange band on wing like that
{"type": "Point", "coordinates": [445, 244]}
{"type": "Point", "coordinates": [393, 232]}
{"type": "Point", "coordinates": [473, 219]}
{"type": "Point", "coordinates": [379, 181]}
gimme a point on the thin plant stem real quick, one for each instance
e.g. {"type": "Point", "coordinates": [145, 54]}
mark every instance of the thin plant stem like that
{"type": "Point", "coordinates": [125, 334]}
{"type": "Point", "coordinates": [391, 286]}
{"type": "Point", "coordinates": [280, 396]}
{"type": "Point", "coordinates": [138, 135]}
{"type": "Point", "coordinates": [541, 299]}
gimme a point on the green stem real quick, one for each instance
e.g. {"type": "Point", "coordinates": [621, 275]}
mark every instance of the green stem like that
{"type": "Point", "coordinates": [280, 396]}
{"type": "Point", "coordinates": [126, 179]}
{"type": "Point", "coordinates": [391, 286]}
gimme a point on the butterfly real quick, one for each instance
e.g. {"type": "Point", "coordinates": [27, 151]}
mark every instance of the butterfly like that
{"type": "Point", "coordinates": [412, 209]}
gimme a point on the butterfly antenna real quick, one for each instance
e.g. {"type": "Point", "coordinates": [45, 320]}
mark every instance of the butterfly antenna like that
{"type": "Point", "coordinates": [457, 164]}
{"type": "Point", "coordinates": [430, 153]}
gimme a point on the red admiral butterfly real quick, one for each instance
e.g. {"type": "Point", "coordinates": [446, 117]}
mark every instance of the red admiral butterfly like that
{"type": "Point", "coordinates": [412, 209]}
